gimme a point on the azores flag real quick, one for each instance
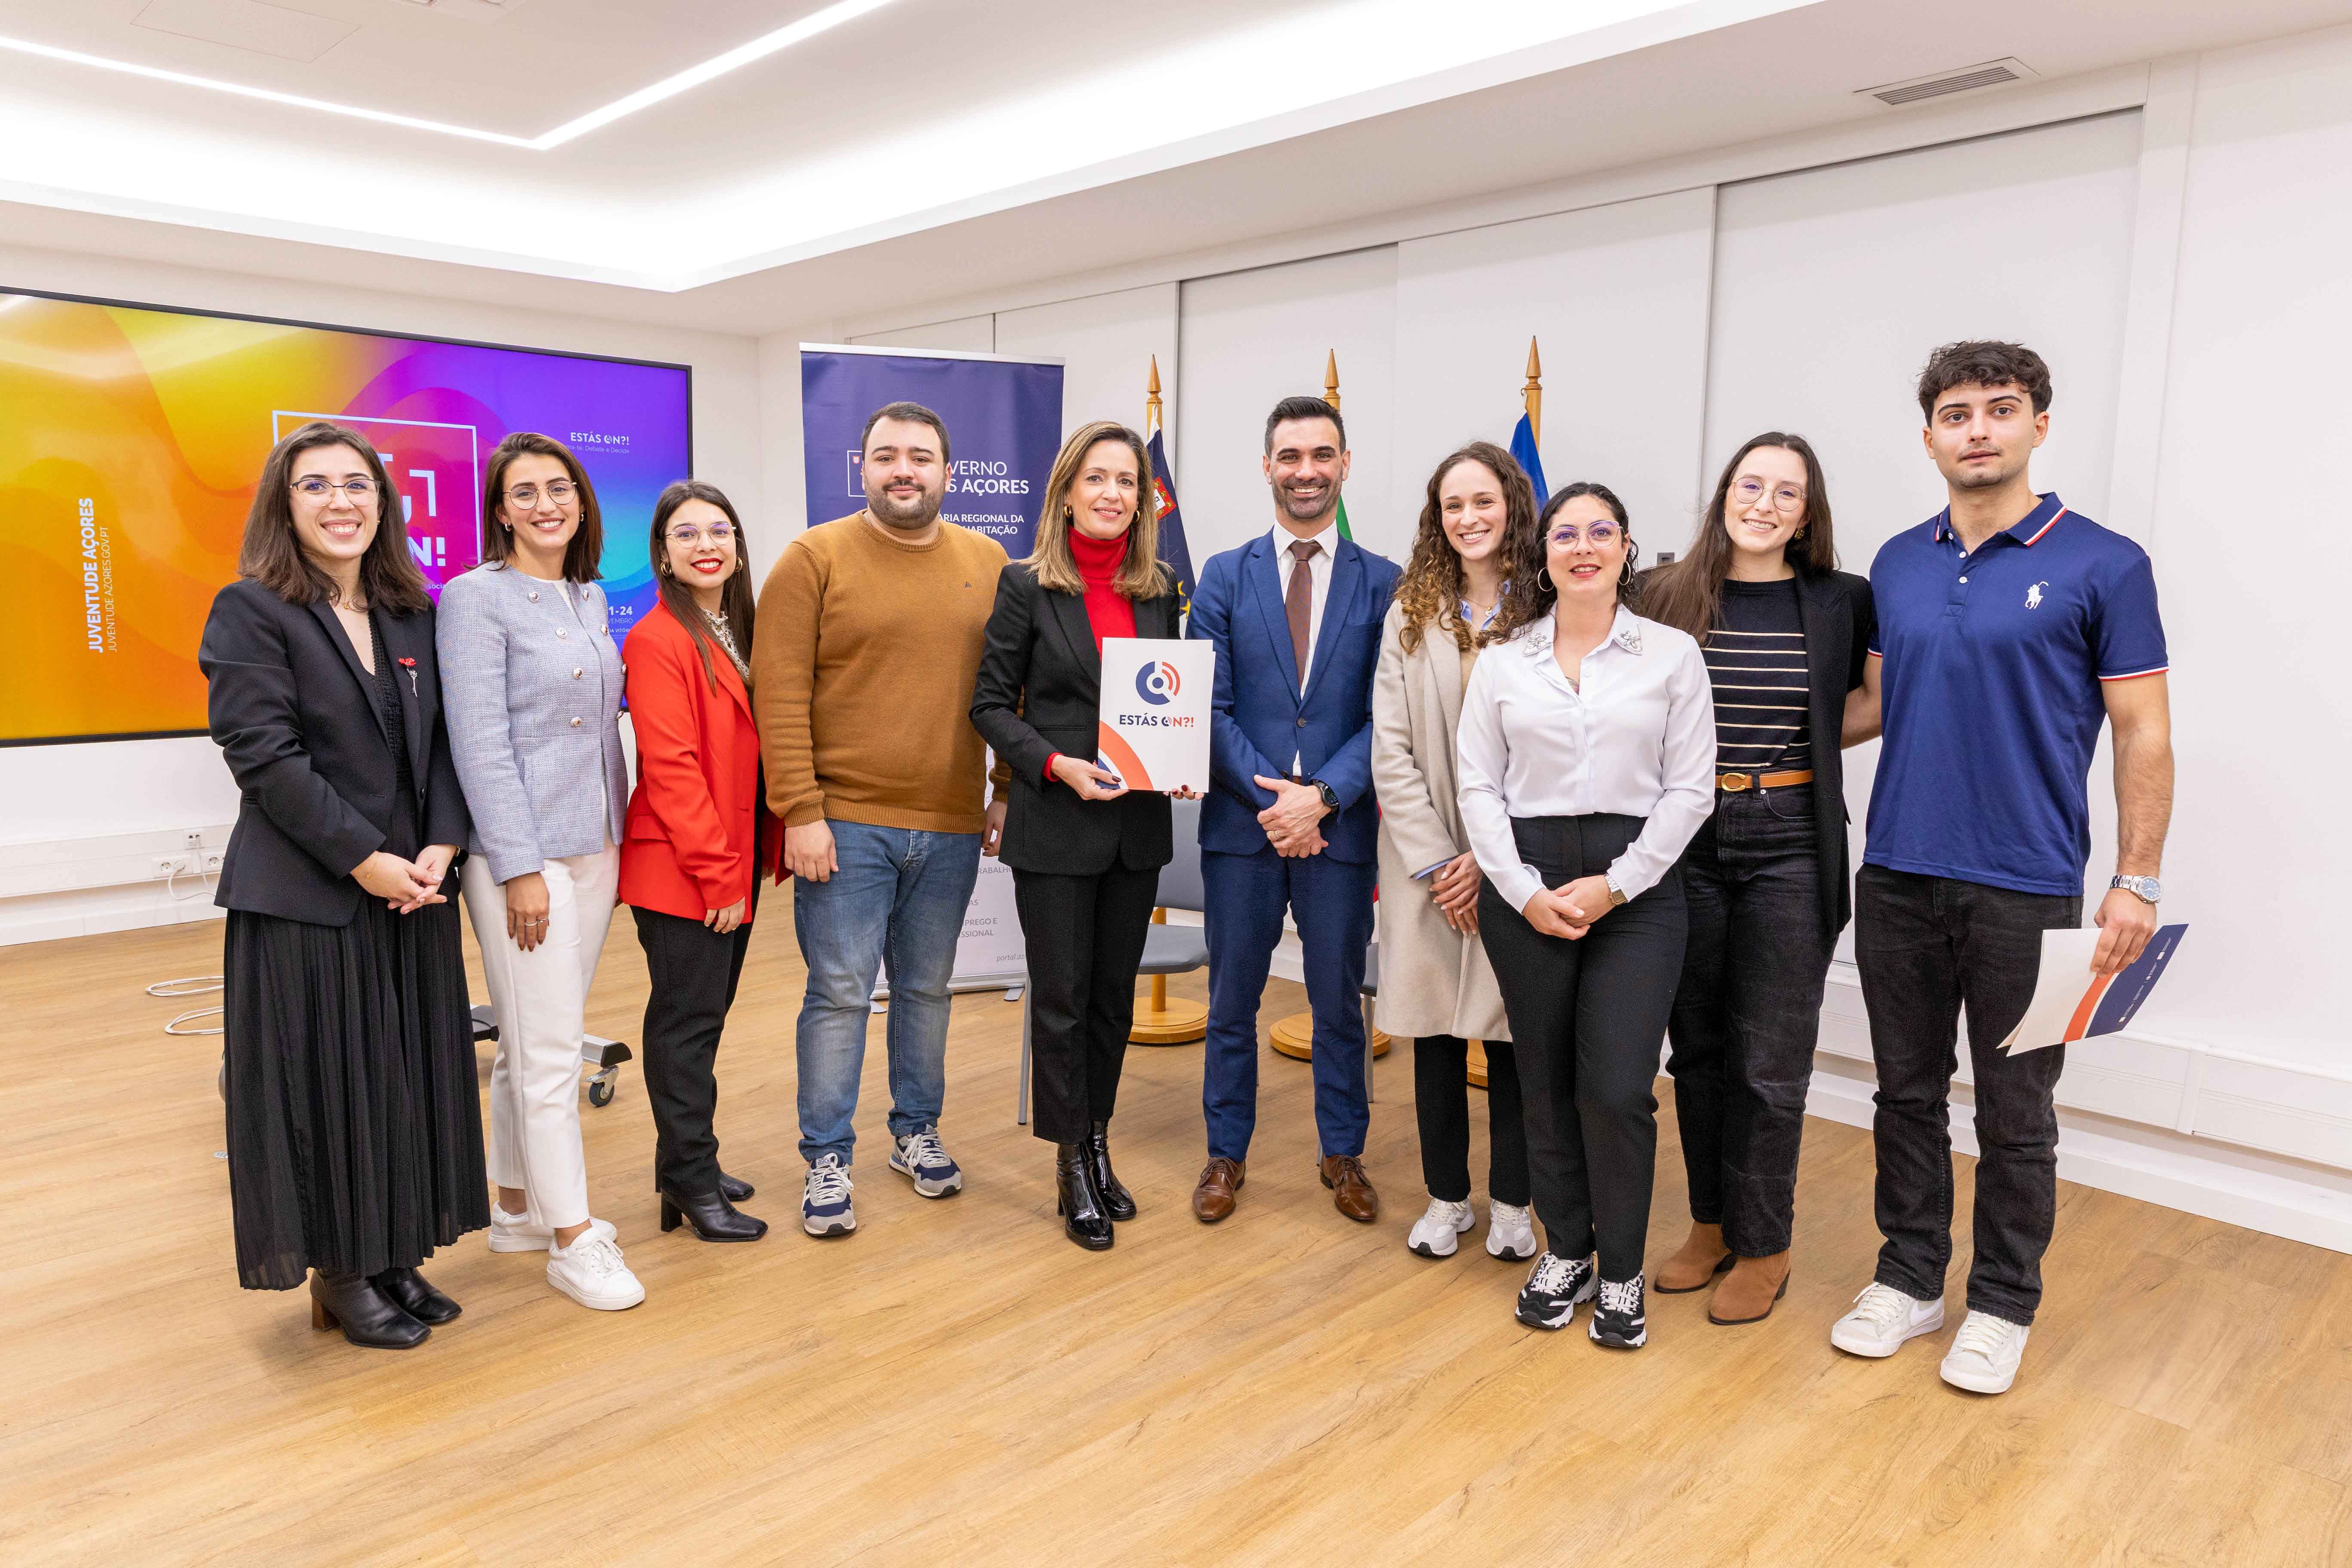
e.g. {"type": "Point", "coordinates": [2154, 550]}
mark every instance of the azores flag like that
{"type": "Point", "coordinates": [1523, 449]}
{"type": "Point", "coordinates": [1174, 552]}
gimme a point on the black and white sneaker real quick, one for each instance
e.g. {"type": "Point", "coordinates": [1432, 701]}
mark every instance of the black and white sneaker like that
{"type": "Point", "coordinates": [1617, 1318]}
{"type": "Point", "coordinates": [1555, 1285]}
{"type": "Point", "coordinates": [923, 1159]}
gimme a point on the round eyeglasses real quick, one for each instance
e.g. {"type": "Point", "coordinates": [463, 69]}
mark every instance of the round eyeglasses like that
{"type": "Point", "coordinates": [1747, 492]}
{"type": "Point", "coordinates": [558, 491]}
{"type": "Point", "coordinates": [685, 533]}
{"type": "Point", "coordinates": [310, 486]}
{"type": "Point", "coordinates": [1600, 535]}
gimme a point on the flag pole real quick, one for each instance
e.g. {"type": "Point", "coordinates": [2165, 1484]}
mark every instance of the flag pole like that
{"type": "Point", "coordinates": [1532, 394]}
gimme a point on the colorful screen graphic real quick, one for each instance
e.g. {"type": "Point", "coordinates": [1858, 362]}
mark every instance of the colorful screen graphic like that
{"type": "Point", "coordinates": [131, 440]}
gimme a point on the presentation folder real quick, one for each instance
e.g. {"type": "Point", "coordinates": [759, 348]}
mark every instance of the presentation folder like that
{"type": "Point", "coordinates": [2071, 1004]}
{"type": "Point", "coordinates": [1153, 723]}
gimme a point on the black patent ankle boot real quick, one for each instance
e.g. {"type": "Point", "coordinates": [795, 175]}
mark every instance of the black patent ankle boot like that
{"type": "Point", "coordinates": [1076, 1200]}
{"type": "Point", "coordinates": [710, 1216]}
{"type": "Point", "coordinates": [1117, 1201]}
{"type": "Point", "coordinates": [366, 1315]}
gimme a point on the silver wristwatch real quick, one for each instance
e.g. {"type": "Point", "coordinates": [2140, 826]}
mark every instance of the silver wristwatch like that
{"type": "Point", "coordinates": [1616, 893]}
{"type": "Point", "coordinates": [2147, 889]}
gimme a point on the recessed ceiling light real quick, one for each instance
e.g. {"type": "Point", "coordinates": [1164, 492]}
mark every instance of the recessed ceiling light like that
{"type": "Point", "coordinates": [670, 87]}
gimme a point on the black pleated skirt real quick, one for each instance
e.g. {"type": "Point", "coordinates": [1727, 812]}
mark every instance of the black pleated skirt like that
{"type": "Point", "coordinates": [354, 1114]}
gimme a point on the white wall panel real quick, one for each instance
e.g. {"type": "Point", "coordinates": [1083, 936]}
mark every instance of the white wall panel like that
{"type": "Point", "coordinates": [1618, 297]}
{"type": "Point", "coordinates": [1254, 338]}
{"type": "Point", "coordinates": [966, 334]}
{"type": "Point", "coordinates": [1106, 344]}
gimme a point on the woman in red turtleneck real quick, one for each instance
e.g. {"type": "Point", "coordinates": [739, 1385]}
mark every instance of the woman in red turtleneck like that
{"type": "Point", "coordinates": [1084, 851]}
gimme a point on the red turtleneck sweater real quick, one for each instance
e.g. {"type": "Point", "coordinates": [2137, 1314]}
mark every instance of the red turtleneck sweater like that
{"type": "Point", "coordinates": [1108, 612]}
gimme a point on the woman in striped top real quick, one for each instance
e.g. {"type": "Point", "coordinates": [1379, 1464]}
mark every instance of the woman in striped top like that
{"type": "Point", "coordinates": [1785, 634]}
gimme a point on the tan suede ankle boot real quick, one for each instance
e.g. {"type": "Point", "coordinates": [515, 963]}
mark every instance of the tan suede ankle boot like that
{"type": "Point", "coordinates": [1701, 1258]}
{"type": "Point", "coordinates": [1747, 1293]}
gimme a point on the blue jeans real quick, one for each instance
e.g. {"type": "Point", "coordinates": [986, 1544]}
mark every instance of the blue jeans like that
{"type": "Point", "coordinates": [898, 893]}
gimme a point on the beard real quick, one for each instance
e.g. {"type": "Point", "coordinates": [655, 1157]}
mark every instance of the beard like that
{"type": "Point", "coordinates": [910, 515]}
{"type": "Point", "coordinates": [1300, 508]}
{"type": "Point", "coordinates": [1993, 478]}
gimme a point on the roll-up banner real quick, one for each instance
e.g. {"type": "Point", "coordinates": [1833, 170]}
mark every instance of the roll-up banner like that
{"type": "Point", "coordinates": [1004, 416]}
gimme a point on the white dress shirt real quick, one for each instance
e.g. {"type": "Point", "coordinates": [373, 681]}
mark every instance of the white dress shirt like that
{"type": "Point", "coordinates": [1319, 580]}
{"type": "Point", "coordinates": [1637, 740]}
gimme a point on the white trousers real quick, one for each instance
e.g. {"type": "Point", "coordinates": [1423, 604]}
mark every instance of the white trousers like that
{"type": "Point", "coordinates": [540, 999]}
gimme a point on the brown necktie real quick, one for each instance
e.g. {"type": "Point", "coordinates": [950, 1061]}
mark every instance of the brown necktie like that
{"type": "Point", "coordinates": [1299, 600]}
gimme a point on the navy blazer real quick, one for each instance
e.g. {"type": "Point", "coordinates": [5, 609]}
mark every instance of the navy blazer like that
{"type": "Point", "coordinates": [1258, 716]}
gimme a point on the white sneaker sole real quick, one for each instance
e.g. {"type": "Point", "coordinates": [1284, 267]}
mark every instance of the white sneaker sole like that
{"type": "Point", "coordinates": [1879, 1350]}
{"type": "Point", "coordinates": [501, 1241]}
{"type": "Point", "coordinates": [615, 1304]}
{"type": "Point", "coordinates": [1974, 1384]}
{"type": "Point", "coordinates": [1444, 1245]}
{"type": "Point", "coordinates": [929, 1189]}
{"type": "Point", "coordinates": [840, 1224]}
{"type": "Point", "coordinates": [1507, 1255]}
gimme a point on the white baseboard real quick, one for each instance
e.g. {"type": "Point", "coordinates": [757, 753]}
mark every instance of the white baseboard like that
{"type": "Point", "coordinates": [58, 888]}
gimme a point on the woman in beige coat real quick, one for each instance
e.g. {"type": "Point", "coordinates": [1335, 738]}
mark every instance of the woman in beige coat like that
{"type": "Point", "coordinates": [1435, 983]}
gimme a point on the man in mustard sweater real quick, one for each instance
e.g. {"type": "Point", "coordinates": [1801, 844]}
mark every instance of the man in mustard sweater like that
{"type": "Point", "coordinates": [869, 641]}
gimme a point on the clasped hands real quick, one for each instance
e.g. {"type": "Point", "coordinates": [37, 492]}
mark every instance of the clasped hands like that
{"type": "Point", "coordinates": [1294, 823]}
{"type": "Point", "coordinates": [1569, 910]}
{"type": "Point", "coordinates": [407, 886]}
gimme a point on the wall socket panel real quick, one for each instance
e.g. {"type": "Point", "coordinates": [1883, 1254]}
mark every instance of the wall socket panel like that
{"type": "Point", "coordinates": [194, 860]}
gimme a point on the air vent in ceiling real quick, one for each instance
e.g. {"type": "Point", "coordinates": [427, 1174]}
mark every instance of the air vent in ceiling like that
{"type": "Point", "coordinates": [472, 10]}
{"type": "Point", "coordinates": [1992, 73]}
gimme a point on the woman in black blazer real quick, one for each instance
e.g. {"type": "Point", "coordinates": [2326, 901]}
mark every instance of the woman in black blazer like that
{"type": "Point", "coordinates": [355, 1124]}
{"type": "Point", "coordinates": [1785, 634]}
{"type": "Point", "coordinates": [1084, 851]}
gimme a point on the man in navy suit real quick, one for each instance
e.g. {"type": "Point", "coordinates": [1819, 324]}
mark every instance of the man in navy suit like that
{"type": "Point", "coordinates": [1290, 820]}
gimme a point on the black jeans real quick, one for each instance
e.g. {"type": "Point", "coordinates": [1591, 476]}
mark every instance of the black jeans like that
{"type": "Point", "coordinates": [1587, 1019]}
{"type": "Point", "coordinates": [1084, 936]}
{"type": "Point", "coordinates": [1440, 1103]}
{"type": "Point", "coordinates": [1748, 1011]}
{"type": "Point", "coordinates": [694, 972]}
{"type": "Point", "coordinates": [1928, 947]}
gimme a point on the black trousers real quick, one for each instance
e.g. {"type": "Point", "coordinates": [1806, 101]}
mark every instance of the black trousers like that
{"type": "Point", "coordinates": [694, 972]}
{"type": "Point", "coordinates": [1928, 947]}
{"type": "Point", "coordinates": [1084, 936]}
{"type": "Point", "coordinates": [1748, 1012]}
{"type": "Point", "coordinates": [1587, 1018]}
{"type": "Point", "coordinates": [1440, 1100]}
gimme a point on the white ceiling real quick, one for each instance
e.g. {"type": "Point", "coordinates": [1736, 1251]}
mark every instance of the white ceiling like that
{"type": "Point", "coordinates": [926, 149]}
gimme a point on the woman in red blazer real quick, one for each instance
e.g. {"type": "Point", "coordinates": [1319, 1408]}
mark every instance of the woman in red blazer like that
{"type": "Point", "coordinates": [697, 838]}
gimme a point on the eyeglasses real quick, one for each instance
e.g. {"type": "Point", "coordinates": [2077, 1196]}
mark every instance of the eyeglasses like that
{"type": "Point", "coordinates": [688, 535]}
{"type": "Point", "coordinates": [558, 491]}
{"type": "Point", "coordinates": [310, 486]}
{"type": "Point", "coordinates": [1600, 535]}
{"type": "Point", "coordinates": [1785, 498]}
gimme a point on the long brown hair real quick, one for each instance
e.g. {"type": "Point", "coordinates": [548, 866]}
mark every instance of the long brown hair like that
{"type": "Point", "coordinates": [1688, 595]}
{"type": "Point", "coordinates": [1140, 575]}
{"type": "Point", "coordinates": [734, 599]}
{"type": "Point", "coordinates": [581, 556]}
{"type": "Point", "coordinates": [1530, 592]}
{"type": "Point", "coordinates": [1430, 591]}
{"type": "Point", "coordinates": [271, 553]}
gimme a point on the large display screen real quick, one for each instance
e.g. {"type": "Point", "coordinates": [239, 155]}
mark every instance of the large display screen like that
{"type": "Point", "coordinates": [131, 440]}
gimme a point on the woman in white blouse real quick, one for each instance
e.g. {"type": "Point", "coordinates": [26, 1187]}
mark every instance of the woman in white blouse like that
{"type": "Point", "coordinates": [1586, 759]}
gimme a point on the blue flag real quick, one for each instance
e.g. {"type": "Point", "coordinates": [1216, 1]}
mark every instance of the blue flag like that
{"type": "Point", "coordinates": [1523, 449]}
{"type": "Point", "coordinates": [1173, 549]}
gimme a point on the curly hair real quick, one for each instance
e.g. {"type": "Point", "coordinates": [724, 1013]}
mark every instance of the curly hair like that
{"type": "Point", "coordinates": [1530, 596]}
{"type": "Point", "coordinates": [1430, 591]}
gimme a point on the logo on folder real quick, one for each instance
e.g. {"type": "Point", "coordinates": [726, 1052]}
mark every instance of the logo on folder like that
{"type": "Point", "coordinates": [1157, 682]}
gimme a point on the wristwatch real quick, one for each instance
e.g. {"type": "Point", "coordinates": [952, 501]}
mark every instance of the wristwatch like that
{"type": "Point", "coordinates": [2147, 889]}
{"type": "Point", "coordinates": [1331, 797]}
{"type": "Point", "coordinates": [1616, 893]}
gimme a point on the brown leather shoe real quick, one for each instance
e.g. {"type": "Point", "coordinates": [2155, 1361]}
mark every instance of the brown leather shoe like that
{"type": "Point", "coordinates": [1212, 1198]}
{"type": "Point", "coordinates": [1352, 1190]}
{"type": "Point", "coordinates": [1748, 1292]}
{"type": "Point", "coordinates": [1700, 1258]}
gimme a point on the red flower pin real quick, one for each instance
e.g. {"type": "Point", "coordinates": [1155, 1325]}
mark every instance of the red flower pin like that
{"type": "Point", "coordinates": [410, 665]}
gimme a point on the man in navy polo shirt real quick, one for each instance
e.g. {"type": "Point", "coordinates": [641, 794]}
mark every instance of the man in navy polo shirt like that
{"type": "Point", "coordinates": [2009, 627]}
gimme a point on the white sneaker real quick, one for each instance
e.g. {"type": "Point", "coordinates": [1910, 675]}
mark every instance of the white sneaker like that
{"type": "Point", "coordinates": [1510, 1232]}
{"type": "Point", "coordinates": [591, 1270]}
{"type": "Point", "coordinates": [825, 1207]}
{"type": "Point", "coordinates": [1433, 1232]}
{"type": "Point", "coordinates": [1985, 1353]}
{"type": "Point", "coordinates": [1882, 1319]}
{"type": "Point", "coordinates": [923, 1159]}
{"type": "Point", "coordinates": [516, 1233]}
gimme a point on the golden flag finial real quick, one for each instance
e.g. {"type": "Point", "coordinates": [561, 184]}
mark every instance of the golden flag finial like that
{"type": "Point", "coordinates": [1532, 394]}
{"type": "Point", "coordinates": [1151, 400]}
{"type": "Point", "coordinates": [1331, 377]}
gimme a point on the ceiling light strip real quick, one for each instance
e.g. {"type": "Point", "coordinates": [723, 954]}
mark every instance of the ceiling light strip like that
{"type": "Point", "coordinates": [759, 48]}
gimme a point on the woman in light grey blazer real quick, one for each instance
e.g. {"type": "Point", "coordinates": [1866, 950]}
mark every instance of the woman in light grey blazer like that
{"type": "Point", "coordinates": [532, 684]}
{"type": "Point", "coordinates": [1435, 983]}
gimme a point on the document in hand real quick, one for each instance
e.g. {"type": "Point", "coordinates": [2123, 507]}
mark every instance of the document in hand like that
{"type": "Point", "coordinates": [2071, 1004]}
{"type": "Point", "coordinates": [1154, 729]}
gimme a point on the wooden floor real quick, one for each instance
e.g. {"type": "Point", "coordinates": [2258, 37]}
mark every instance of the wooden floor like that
{"type": "Point", "coordinates": [957, 1383]}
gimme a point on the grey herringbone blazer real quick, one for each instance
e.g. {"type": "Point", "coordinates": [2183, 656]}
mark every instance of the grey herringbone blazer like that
{"type": "Point", "coordinates": [532, 683]}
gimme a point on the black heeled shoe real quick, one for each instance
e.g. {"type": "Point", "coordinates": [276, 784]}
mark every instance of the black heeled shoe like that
{"type": "Point", "coordinates": [1117, 1201]}
{"type": "Point", "coordinates": [1077, 1201]}
{"type": "Point", "coordinates": [408, 1290]}
{"type": "Point", "coordinates": [732, 1190]}
{"type": "Point", "coordinates": [709, 1216]}
{"type": "Point", "coordinates": [366, 1315]}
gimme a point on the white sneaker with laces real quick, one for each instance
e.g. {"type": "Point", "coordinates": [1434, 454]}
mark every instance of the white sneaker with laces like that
{"type": "Point", "coordinates": [1985, 1353]}
{"type": "Point", "coordinates": [592, 1272]}
{"type": "Point", "coordinates": [923, 1159]}
{"type": "Point", "coordinates": [516, 1233]}
{"type": "Point", "coordinates": [826, 1205]}
{"type": "Point", "coordinates": [1433, 1232]}
{"type": "Point", "coordinates": [1882, 1319]}
{"type": "Point", "coordinates": [1510, 1232]}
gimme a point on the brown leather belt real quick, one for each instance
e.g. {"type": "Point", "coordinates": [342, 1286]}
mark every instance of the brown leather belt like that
{"type": "Point", "coordinates": [1735, 783]}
